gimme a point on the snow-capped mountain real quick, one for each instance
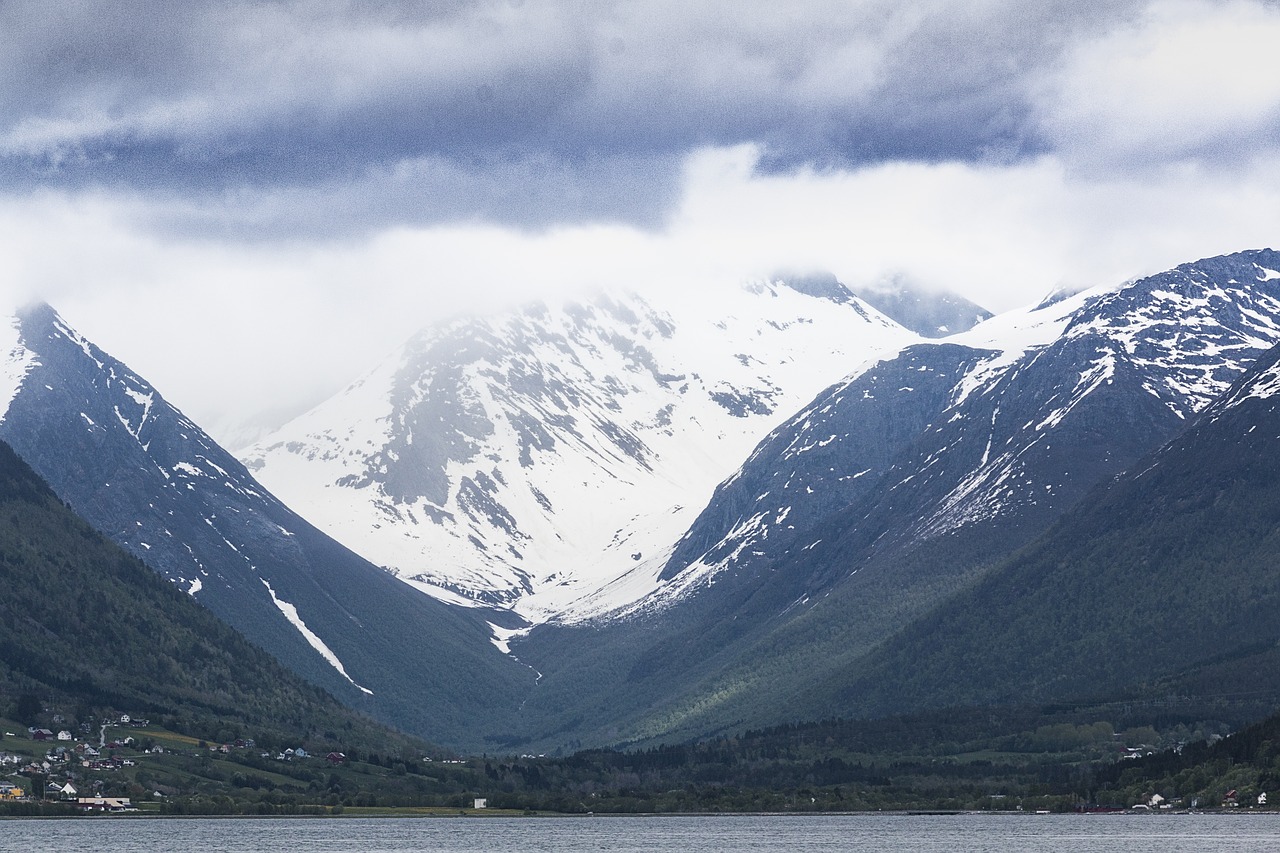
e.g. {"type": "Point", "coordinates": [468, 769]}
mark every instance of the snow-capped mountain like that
{"type": "Point", "coordinates": [1003, 426]}
{"type": "Point", "coordinates": [902, 484]}
{"type": "Point", "coordinates": [142, 473]}
{"type": "Point", "coordinates": [582, 467]}
{"type": "Point", "coordinates": [529, 460]}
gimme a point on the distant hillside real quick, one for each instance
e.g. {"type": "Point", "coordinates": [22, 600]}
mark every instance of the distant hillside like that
{"type": "Point", "coordinates": [86, 625]}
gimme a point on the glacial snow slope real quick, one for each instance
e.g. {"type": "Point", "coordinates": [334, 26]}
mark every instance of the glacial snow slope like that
{"type": "Point", "coordinates": [896, 488]}
{"type": "Point", "coordinates": [529, 460]}
{"type": "Point", "coordinates": [146, 476]}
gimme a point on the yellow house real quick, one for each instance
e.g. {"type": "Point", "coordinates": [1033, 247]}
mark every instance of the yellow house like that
{"type": "Point", "coordinates": [9, 792]}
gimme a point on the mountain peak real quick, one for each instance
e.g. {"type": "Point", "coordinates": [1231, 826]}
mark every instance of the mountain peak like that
{"type": "Point", "coordinates": [37, 312]}
{"type": "Point", "coordinates": [930, 313]}
{"type": "Point", "coordinates": [145, 475]}
{"type": "Point", "coordinates": [820, 285]}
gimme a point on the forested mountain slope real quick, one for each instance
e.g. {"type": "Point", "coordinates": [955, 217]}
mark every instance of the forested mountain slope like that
{"type": "Point", "coordinates": [88, 626]}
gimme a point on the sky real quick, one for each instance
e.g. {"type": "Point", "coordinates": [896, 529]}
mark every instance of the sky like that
{"type": "Point", "coordinates": [251, 203]}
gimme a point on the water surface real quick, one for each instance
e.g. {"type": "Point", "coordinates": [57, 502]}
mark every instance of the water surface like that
{"type": "Point", "coordinates": [1238, 833]}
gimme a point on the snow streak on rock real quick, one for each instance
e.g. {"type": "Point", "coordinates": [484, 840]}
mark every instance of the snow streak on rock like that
{"type": "Point", "coordinates": [291, 613]}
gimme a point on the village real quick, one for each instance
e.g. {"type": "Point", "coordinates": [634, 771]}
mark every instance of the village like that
{"type": "Point", "coordinates": [100, 765]}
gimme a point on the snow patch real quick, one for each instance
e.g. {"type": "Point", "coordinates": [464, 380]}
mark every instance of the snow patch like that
{"type": "Point", "coordinates": [291, 613]}
{"type": "Point", "coordinates": [502, 636]}
{"type": "Point", "coordinates": [16, 363]}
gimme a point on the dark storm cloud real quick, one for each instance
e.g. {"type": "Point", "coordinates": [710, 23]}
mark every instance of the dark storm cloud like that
{"type": "Point", "coordinates": [535, 193]}
{"type": "Point", "coordinates": [521, 112]}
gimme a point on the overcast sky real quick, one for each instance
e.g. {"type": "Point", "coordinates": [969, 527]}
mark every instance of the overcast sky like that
{"type": "Point", "coordinates": [250, 202]}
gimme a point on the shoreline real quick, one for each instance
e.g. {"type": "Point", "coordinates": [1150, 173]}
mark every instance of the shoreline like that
{"type": "Point", "coordinates": [432, 812]}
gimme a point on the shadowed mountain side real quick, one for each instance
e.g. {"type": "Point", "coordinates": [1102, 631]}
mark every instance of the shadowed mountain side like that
{"type": "Point", "coordinates": [824, 591]}
{"type": "Point", "coordinates": [90, 626]}
{"type": "Point", "coordinates": [1166, 578]}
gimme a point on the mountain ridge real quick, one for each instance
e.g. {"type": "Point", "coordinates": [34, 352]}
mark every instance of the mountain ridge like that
{"type": "Point", "coordinates": [147, 477]}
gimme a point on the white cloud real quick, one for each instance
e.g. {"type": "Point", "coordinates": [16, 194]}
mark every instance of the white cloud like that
{"type": "Point", "coordinates": [1188, 80]}
{"type": "Point", "coordinates": [1001, 235]}
{"type": "Point", "coordinates": [242, 335]}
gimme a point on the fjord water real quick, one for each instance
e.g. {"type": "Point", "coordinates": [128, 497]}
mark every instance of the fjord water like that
{"type": "Point", "coordinates": [1239, 833]}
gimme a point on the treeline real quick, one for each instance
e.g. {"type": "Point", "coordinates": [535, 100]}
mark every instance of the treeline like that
{"type": "Point", "coordinates": [1035, 760]}
{"type": "Point", "coordinates": [967, 759]}
{"type": "Point", "coordinates": [1055, 757]}
{"type": "Point", "coordinates": [36, 808]}
{"type": "Point", "coordinates": [1205, 772]}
